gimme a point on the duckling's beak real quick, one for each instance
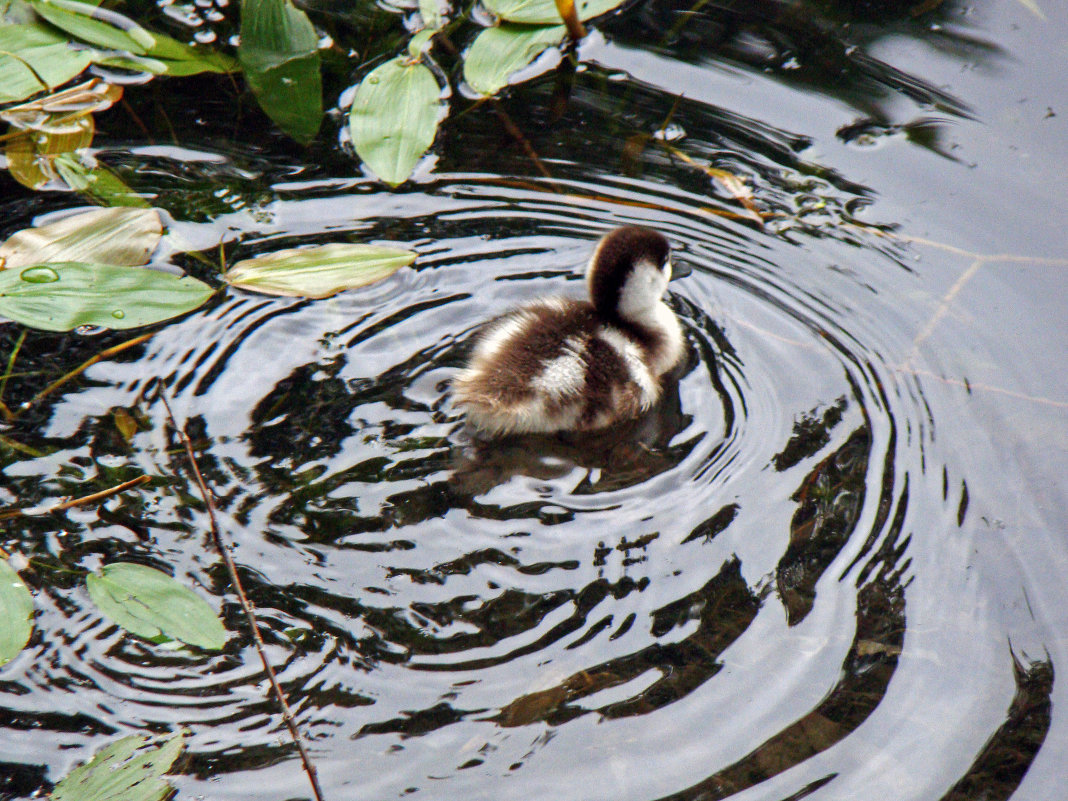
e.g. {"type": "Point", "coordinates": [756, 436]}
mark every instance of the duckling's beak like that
{"type": "Point", "coordinates": [680, 269]}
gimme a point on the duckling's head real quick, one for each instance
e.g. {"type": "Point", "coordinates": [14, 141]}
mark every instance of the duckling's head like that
{"type": "Point", "coordinates": [629, 273]}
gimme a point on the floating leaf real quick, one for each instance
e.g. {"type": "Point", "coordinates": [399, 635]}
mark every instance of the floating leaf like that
{"type": "Point", "coordinates": [181, 59]}
{"type": "Point", "coordinates": [153, 605]}
{"type": "Point", "coordinates": [16, 609]}
{"type": "Point", "coordinates": [59, 108]}
{"type": "Point", "coordinates": [279, 52]}
{"type": "Point", "coordinates": [120, 236]}
{"type": "Point", "coordinates": [65, 295]}
{"type": "Point", "coordinates": [130, 769]}
{"type": "Point", "coordinates": [498, 52]}
{"type": "Point", "coordinates": [317, 272]}
{"type": "Point", "coordinates": [543, 12]}
{"type": "Point", "coordinates": [34, 59]}
{"type": "Point", "coordinates": [97, 26]}
{"type": "Point", "coordinates": [394, 117]}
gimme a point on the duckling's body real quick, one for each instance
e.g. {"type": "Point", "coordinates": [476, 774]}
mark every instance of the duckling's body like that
{"type": "Point", "coordinates": [561, 364]}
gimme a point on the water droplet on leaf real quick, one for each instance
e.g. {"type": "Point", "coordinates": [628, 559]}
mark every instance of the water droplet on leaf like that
{"type": "Point", "coordinates": [39, 275]}
{"type": "Point", "coordinates": [118, 314]}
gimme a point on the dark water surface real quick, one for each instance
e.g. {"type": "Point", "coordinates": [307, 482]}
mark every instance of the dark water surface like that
{"type": "Point", "coordinates": [833, 566]}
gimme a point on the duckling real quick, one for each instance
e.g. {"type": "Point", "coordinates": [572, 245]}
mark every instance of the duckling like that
{"type": "Point", "coordinates": [560, 364]}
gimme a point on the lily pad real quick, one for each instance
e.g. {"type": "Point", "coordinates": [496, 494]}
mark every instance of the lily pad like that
{"type": "Point", "coordinates": [153, 605]}
{"type": "Point", "coordinates": [498, 52]}
{"type": "Point", "coordinates": [317, 272]}
{"type": "Point", "coordinates": [394, 117]}
{"type": "Point", "coordinates": [119, 236]}
{"type": "Point", "coordinates": [16, 610]}
{"type": "Point", "coordinates": [62, 296]}
{"type": "Point", "coordinates": [279, 53]}
{"type": "Point", "coordinates": [130, 769]}
{"type": "Point", "coordinates": [543, 12]}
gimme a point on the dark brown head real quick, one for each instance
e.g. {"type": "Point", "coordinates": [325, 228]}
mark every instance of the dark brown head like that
{"type": "Point", "coordinates": [628, 271]}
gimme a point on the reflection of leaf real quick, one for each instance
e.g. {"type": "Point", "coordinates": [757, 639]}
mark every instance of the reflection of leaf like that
{"type": "Point", "coordinates": [543, 12]}
{"type": "Point", "coordinates": [30, 54]}
{"type": "Point", "coordinates": [394, 118]}
{"type": "Point", "coordinates": [31, 155]}
{"type": "Point", "coordinates": [16, 609]}
{"type": "Point", "coordinates": [279, 52]}
{"type": "Point", "coordinates": [498, 52]}
{"type": "Point", "coordinates": [120, 236]}
{"type": "Point", "coordinates": [127, 770]}
{"type": "Point", "coordinates": [65, 295]}
{"type": "Point", "coordinates": [317, 272]}
{"type": "Point", "coordinates": [96, 181]}
{"type": "Point", "coordinates": [97, 26]}
{"type": "Point", "coordinates": [152, 605]}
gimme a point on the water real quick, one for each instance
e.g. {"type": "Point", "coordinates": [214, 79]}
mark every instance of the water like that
{"type": "Point", "coordinates": [831, 566]}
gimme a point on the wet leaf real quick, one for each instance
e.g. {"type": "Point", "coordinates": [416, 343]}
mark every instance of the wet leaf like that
{"type": "Point", "coordinates": [65, 295]}
{"type": "Point", "coordinates": [498, 52]}
{"type": "Point", "coordinates": [279, 53]}
{"type": "Point", "coordinates": [430, 11]}
{"type": "Point", "coordinates": [125, 423]}
{"type": "Point", "coordinates": [16, 610]}
{"type": "Point", "coordinates": [34, 59]}
{"type": "Point", "coordinates": [317, 272]}
{"type": "Point", "coordinates": [130, 769]}
{"type": "Point", "coordinates": [394, 118]}
{"type": "Point", "coordinates": [56, 111]}
{"type": "Point", "coordinates": [153, 605]}
{"type": "Point", "coordinates": [97, 26]}
{"type": "Point", "coordinates": [543, 12]}
{"type": "Point", "coordinates": [119, 236]}
{"type": "Point", "coordinates": [181, 59]}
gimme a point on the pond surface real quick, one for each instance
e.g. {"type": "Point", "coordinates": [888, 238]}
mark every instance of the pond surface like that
{"type": "Point", "coordinates": [832, 566]}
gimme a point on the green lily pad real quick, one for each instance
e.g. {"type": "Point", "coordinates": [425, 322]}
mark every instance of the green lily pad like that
{"type": "Point", "coordinates": [119, 236]}
{"type": "Point", "coordinates": [498, 52]}
{"type": "Point", "coordinates": [153, 605]}
{"type": "Point", "coordinates": [543, 12]}
{"type": "Point", "coordinates": [62, 296]}
{"type": "Point", "coordinates": [317, 272]}
{"type": "Point", "coordinates": [130, 769]}
{"type": "Point", "coordinates": [279, 53]}
{"type": "Point", "coordinates": [394, 117]}
{"type": "Point", "coordinates": [16, 610]}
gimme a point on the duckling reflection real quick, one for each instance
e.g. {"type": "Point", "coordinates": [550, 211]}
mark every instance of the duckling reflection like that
{"type": "Point", "coordinates": [560, 364]}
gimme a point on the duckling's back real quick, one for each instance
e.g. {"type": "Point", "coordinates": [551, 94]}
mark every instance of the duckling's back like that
{"type": "Point", "coordinates": [552, 365]}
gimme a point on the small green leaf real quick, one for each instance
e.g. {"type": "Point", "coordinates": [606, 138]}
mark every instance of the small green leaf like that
{"type": "Point", "coordinates": [16, 610]}
{"type": "Point", "coordinates": [182, 59]}
{"type": "Point", "coordinates": [430, 11]}
{"type": "Point", "coordinates": [279, 53]}
{"type": "Point", "coordinates": [62, 296]}
{"type": "Point", "coordinates": [543, 12]}
{"type": "Point", "coordinates": [97, 26]}
{"type": "Point", "coordinates": [120, 236]}
{"type": "Point", "coordinates": [130, 769]}
{"type": "Point", "coordinates": [418, 42]}
{"type": "Point", "coordinates": [394, 118]}
{"type": "Point", "coordinates": [96, 181]}
{"type": "Point", "coordinates": [498, 52]}
{"type": "Point", "coordinates": [317, 272]}
{"type": "Point", "coordinates": [152, 605]}
{"type": "Point", "coordinates": [34, 59]}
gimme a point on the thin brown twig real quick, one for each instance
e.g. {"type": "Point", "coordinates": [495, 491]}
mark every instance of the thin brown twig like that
{"type": "Point", "coordinates": [85, 366]}
{"type": "Point", "coordinates": [82, 501]}
{"type": "Point", "coordinates": [224, 549]}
